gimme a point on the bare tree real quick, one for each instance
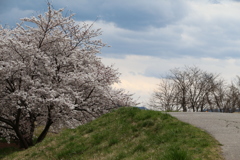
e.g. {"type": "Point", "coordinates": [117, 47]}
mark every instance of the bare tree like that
{"type": "Point", "coordinates": [165, 97]}
{"type": "Point", "coordinates": [232, 97]}
{"type": "Point", "coordinates": [186, 89]}
{"type": "Point", "coordinates": [181, 85]}
{"type": "Point", "coordinates": [197, 90]}
{"type": "Point", "coordinates": [217, 99]}
{"type": "Point", "coordinates": [201, 84]}
{"type": "Point", "coordinates": [223, 97]}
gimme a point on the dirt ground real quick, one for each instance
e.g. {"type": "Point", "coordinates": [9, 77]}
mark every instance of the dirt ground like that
{"type": "Point", "coordinates": [4, 145]}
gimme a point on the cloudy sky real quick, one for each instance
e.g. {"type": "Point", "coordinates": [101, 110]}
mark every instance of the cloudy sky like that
{"type": "Point", "coordinates": [149, 37]}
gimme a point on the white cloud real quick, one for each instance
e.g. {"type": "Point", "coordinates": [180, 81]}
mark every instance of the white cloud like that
{"type": "Point", "coordinates": [208, 30]}
{"type": "Point", "coordinates": [132, 78]}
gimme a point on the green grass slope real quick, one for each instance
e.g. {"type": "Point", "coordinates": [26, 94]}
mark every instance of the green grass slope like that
{"type": "Point", "coordinates": [127, 133]}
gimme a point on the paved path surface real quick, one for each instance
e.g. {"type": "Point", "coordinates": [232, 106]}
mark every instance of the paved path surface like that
{"type": "Point", "coordinates": [225, 127]}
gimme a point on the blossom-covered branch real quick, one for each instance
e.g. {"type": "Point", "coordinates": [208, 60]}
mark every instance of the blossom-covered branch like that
{"type": "Point", "coordinates": [51, 77]}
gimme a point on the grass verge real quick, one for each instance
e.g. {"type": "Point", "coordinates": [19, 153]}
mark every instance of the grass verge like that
{"type": "Point", "coordinates": [127, 133]}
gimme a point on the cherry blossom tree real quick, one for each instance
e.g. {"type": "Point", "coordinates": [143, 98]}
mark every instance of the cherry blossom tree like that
{"type": "Point", "coordinates": [50, 76]}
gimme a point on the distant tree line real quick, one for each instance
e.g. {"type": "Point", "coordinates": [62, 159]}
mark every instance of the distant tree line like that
{"type": "Point", "coordinates": [192, 89]}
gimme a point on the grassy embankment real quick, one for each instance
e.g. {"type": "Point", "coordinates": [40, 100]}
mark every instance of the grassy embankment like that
{"type": "Point", "coordinates": [127, 133]}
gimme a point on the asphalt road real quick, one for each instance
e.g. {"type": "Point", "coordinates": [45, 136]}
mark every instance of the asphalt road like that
{"type": "Point", "coordinates": [225, 127]}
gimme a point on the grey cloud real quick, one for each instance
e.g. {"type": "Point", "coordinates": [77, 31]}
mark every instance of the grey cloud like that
{"type": "Point", "coordinates": [197, 35]}
{"type": "Point", "coordinates": [132, 14]}
{"type": "Point", "coordinates": [156, 28]}
{"type": "Point", "coordinates": [215, 1]}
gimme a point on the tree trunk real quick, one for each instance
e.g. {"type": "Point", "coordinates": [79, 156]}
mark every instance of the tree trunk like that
{"type": "Point", "coordinates": [184, 107]}
{"type": "Point", "coordinates": [45, 131]}
{"type": "Point", "coordinates": [22, 141]}
{"type": "Point", "coordinates": [193, 108]}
